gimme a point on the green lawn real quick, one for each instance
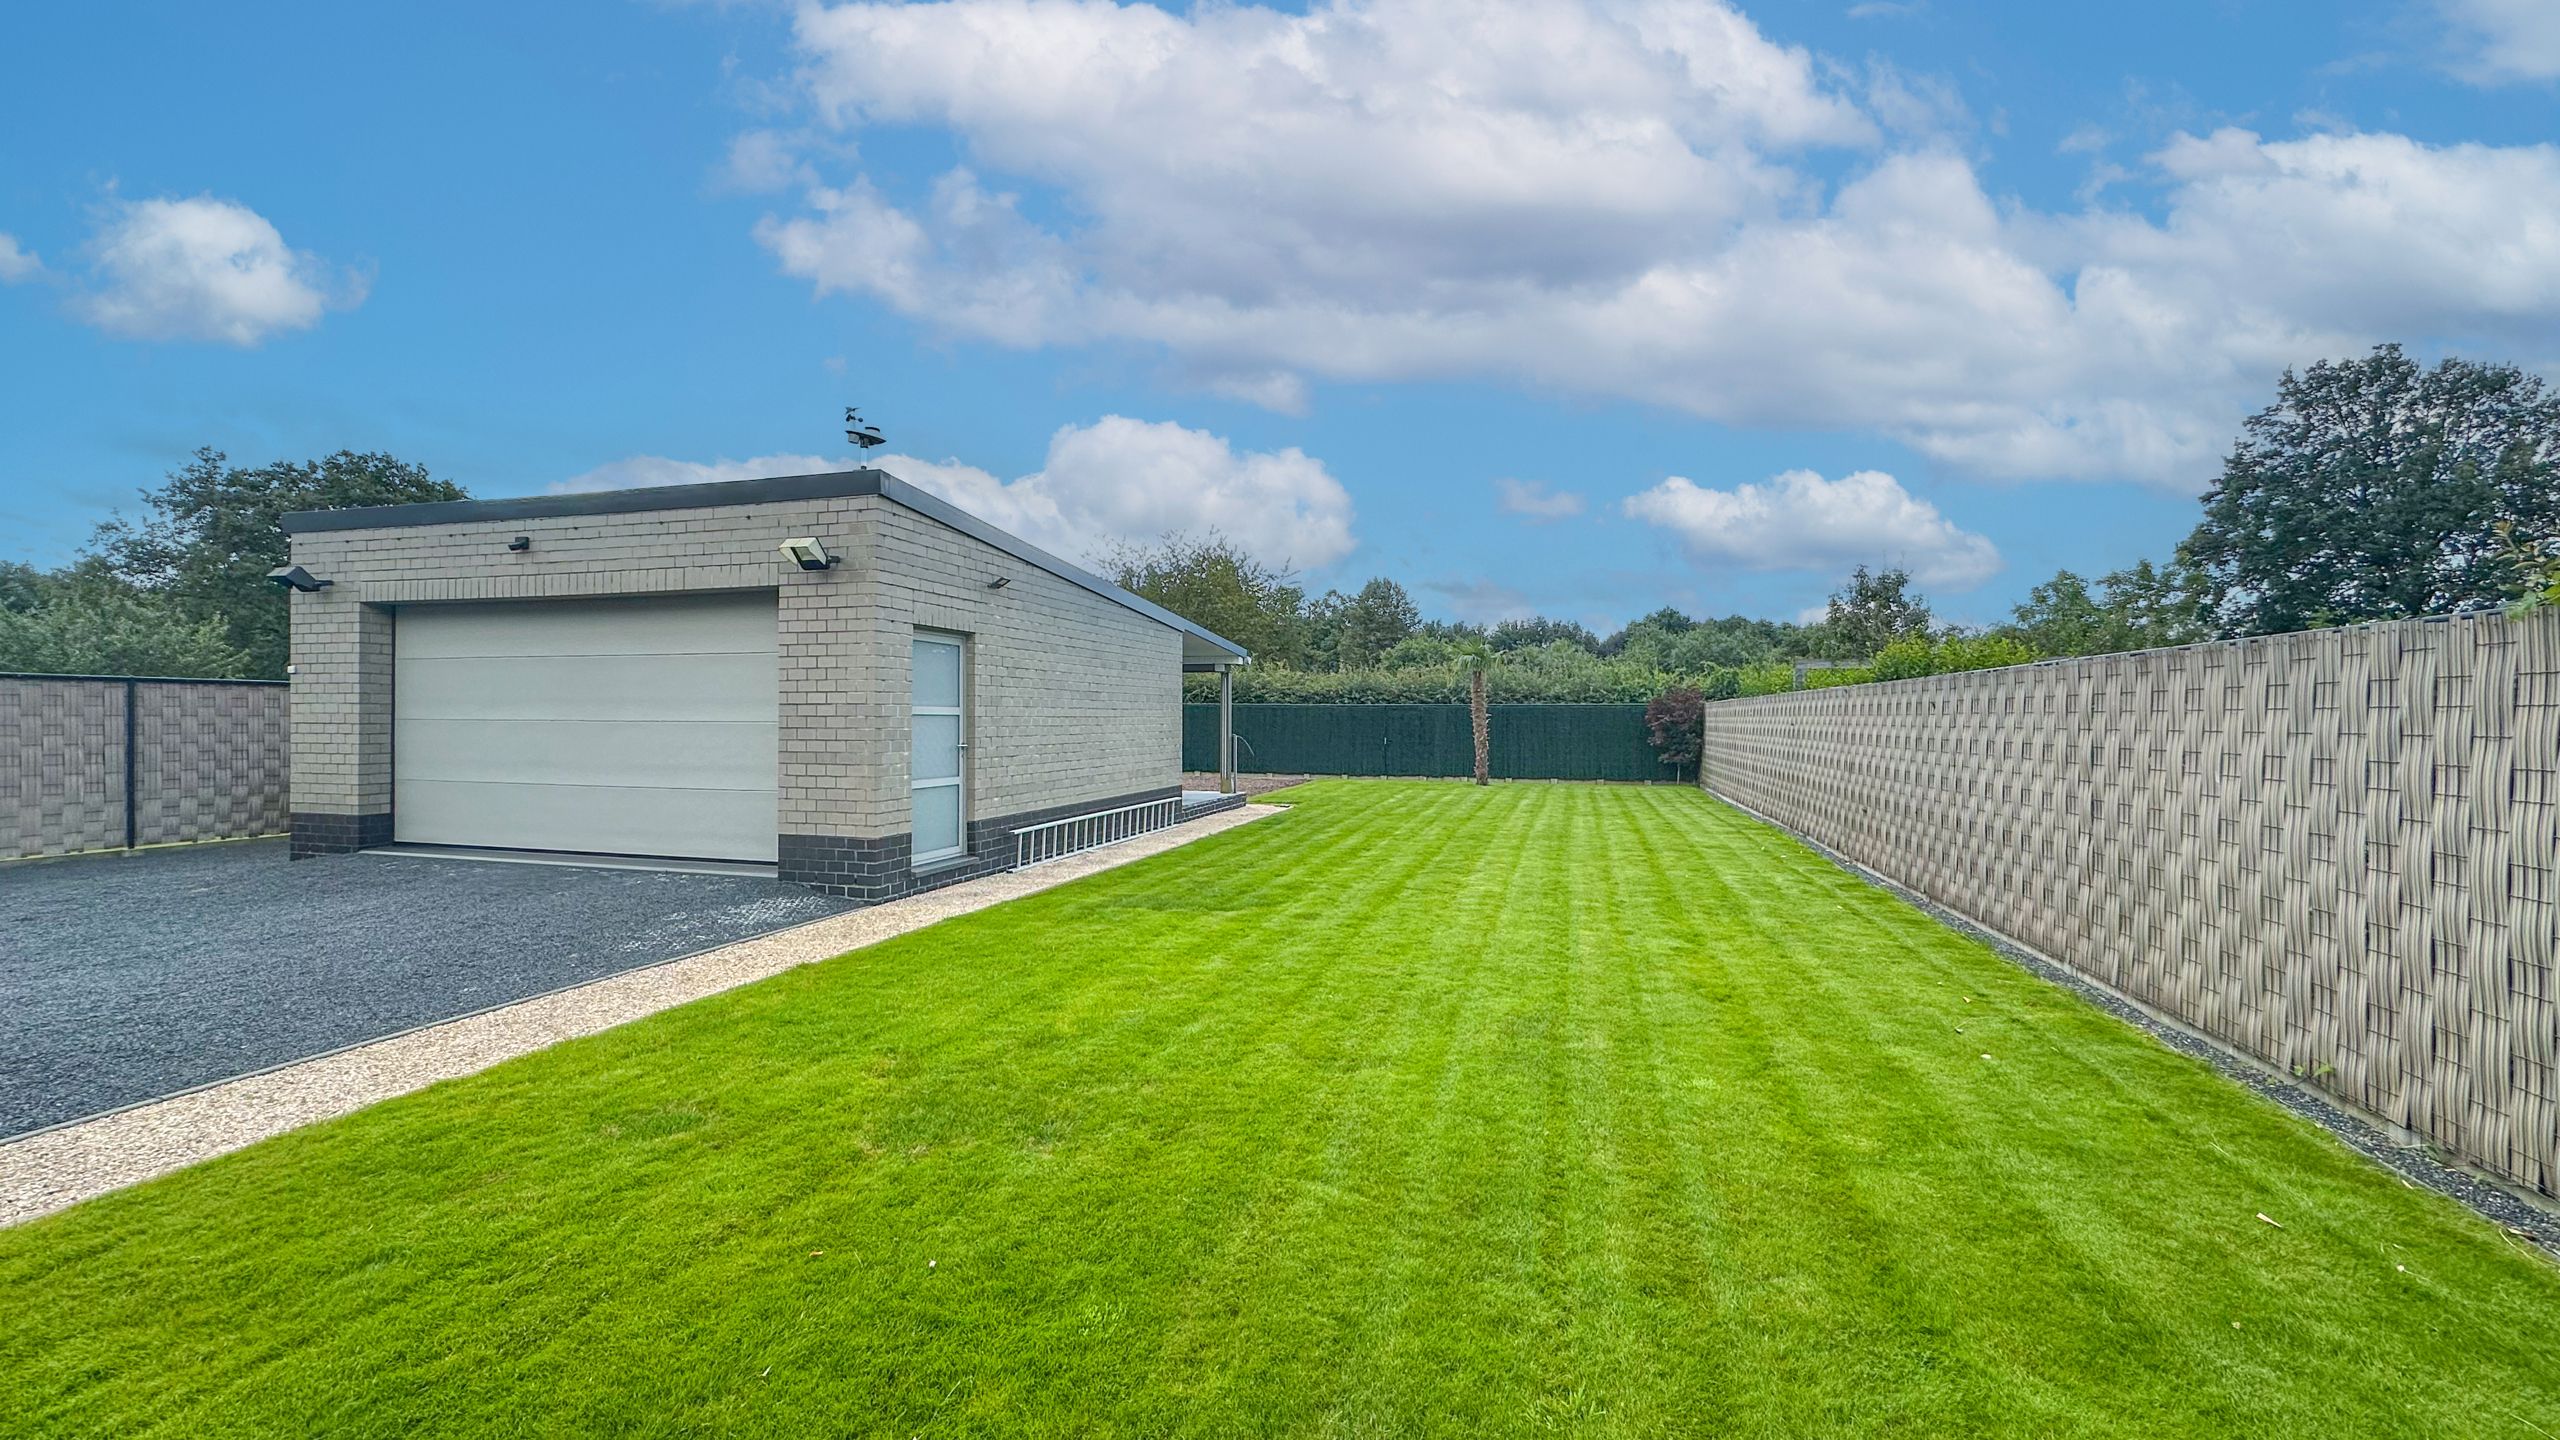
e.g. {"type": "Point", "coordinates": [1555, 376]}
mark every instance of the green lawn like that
{"type": "Point", "coordinates": [1422, 1109]}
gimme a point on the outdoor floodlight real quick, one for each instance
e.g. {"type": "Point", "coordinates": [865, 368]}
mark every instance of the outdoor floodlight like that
{"type": "Point", "coordinates": [521, 542]}
{"type": "Point", "coordinates": [808, 554]}
{"type": "Point", "coordinates": [297, 578]}
{"type": "Point", "coordinates": [999, 582]}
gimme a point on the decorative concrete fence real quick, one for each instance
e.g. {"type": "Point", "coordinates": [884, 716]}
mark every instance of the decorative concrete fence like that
{"type": "Point", "coordinates": [2338, 851]}
{"type": "Point", "coordinates": [106, 762]}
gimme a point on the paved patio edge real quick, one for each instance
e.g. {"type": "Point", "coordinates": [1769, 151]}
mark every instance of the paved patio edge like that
{"type": "Point", "coordinates": [53, 1169]}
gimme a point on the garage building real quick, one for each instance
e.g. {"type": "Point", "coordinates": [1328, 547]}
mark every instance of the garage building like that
{"type": "Point", "coordinates": [648, 673]}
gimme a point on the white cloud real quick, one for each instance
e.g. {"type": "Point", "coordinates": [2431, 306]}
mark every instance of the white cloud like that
{"type": "Point", "coordinates": [637, 472]}
{"type": "Point", "coordinates": [762, 161]}
{"type": "Point", "coordinates": [972, 263]}
{"type": "Point", "coordinates": [1277, 390]}
{"type": "Point", "coordinates": [1112, 482]}
{"type": "Point", "coordinates": [1800, 521]}
{"type": "Point", "coordinates": [1615, 198]}
{"type": "Point", "coordinates": [1533, 500]}
{"type": "Point", "coordinates": [1121, 481]}
{"type": "Point", "coordinates": [1481, 602]}
{"type": "Point", "coordinates": [205, 269]}
{"type": "Point", "coordinates": [17, 264]}
{"type": "Point", "coordinates": [2506, 40]}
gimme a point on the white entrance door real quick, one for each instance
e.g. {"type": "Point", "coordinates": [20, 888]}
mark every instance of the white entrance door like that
{"type": "Point", "coordinates": [626, 727]}
{"type": "Point", "coordinates": [941, 730]}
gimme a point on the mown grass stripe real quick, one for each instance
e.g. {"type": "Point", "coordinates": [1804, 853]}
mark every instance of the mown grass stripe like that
{"type": "Point", "coordinates": [1423, 1109]}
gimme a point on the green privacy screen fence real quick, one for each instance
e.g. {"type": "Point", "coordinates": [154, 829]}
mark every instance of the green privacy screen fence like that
{"type": "Point", "coordinates": [1530, 742]}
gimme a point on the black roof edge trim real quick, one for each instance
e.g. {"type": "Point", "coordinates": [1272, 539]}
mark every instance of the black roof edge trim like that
{"type": "Point", "coordinates": [144, 679]}
{"type": "Point", "coordinates": [830, 486]}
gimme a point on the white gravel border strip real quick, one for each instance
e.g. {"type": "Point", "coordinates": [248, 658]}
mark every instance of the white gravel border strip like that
{"type": "Point", "coordinates": [54, 1169]}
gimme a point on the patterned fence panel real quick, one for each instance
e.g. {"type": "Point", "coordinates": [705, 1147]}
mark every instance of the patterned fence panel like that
{"type": "Point", "coordinates": [210, 760]}
{"type": "Point", "coordinates": [2337, 851]}
{"type": "Point", "coordinates": [61, 766]}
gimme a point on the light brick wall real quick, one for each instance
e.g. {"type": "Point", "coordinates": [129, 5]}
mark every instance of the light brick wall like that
{"type": "Point", "coordinates": [2338, 851]}
{"type": "Point", "coordinates": [1076, 697]}
{"type": "Point", "coordinates": [210, 763]}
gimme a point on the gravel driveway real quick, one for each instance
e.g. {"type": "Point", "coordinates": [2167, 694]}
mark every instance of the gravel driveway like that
{"type": "Point", "coordinates": [126, 977]}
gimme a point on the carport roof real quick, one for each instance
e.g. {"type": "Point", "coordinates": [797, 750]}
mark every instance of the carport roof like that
{"type": "Point", "coordinates": [1199, 646]}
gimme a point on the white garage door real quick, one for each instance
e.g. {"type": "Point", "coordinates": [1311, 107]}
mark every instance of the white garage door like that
{"type": "Point", "coordinates": [621, 727]}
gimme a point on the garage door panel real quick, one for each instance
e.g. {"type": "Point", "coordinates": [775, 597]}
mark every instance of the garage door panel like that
{"type": "Point", "coordinates": [631, 727]}
{"type": "Point", "coordinates": [674, 625]}
{"type": "Point", "coordinates": [614, 820]}
{"type": "Point", "coordinates": [731, 688]}
{"type": "Point", "coordinates": [642, 754]}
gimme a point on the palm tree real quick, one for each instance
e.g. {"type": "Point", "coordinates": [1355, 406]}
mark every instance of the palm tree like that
{"type": "Point", "coordinates": [1475, 657]}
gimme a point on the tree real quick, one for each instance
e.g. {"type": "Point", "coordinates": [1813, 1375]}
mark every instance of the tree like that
{"type": "Point", "coordinates": [1539, 630]}
{"type": "Point", "coordinates": [1320, 629]}
{"type": "Point", "coordinates": [210, 535]}
{"type": "Point", "coordinates": [2142, 607]}
{"type": "Point", "coordinates": [22, 587]}
{"type": "Point", "coordinates": [1220, 588]}
{"type": "Point", "coordinates": [1676, 722]}
{"type": "Point", "coordinates": [2062, 616]}
{"type": "Point", "coordinates": [1476, 657]}
{"type": "Point", "coordinates": [2537, 564]}
{"type": "Point", "coordinates": [2372, 490]}
{"type": "Point", "coordinates": [2155, 605]}
{"type": "Point", "coordinates": [115, 631]}
{"type": "Point", "coordinates": [1371, 623]}
{"type": "Point", "coordinates": [1663, 623]}
{"type": "Point", "coordinates": [1872, 611]}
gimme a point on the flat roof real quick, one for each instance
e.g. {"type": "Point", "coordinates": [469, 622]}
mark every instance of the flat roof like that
{"type": "Point", "coordinates": [1199, 646]}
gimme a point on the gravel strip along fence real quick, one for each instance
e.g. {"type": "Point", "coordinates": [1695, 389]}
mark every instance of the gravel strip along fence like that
{"type": "Point", "coordinates": [51, 1170]}
{"type": "Point", "coordinates": [1248, 785]}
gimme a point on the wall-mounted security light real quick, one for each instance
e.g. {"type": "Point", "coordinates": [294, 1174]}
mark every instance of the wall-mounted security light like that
{"type": "Point", "coordinates": [521, 543]}
{"type": "Point", "coordinates": [999, 582]}
{"type": "Point", "coordinates": [808, 554]}
{"type": "Point", "coordinates": [294, 577]}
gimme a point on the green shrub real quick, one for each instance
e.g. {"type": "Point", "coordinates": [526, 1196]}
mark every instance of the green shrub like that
{"type": "Point", "coordinates": [1424, 670]}
{"type": "Point", "coordinates": [1675, 723]}
{"type": "Point", "coordinates": [1769, 677]}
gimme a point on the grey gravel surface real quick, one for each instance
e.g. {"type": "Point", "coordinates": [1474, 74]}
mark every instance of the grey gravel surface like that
{"type": "Point", "coordinates": [1255, 785]}
{"type": "Point", "coordinates": [127, 977]}
{"type": "Point", "coordinates": [47, 1171]}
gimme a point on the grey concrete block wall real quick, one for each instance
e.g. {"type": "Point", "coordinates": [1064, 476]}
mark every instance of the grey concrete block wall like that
{"type": "Point", "coordinates": [210, 762]}
{"type": "Point", "coordinates": [1075, 697]}
{"type": "Point", "coordinates": [2338, 851]}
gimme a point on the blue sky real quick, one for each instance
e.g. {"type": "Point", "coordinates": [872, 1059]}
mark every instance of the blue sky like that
{"type": "Point", "coordinates": [1555, 305]}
